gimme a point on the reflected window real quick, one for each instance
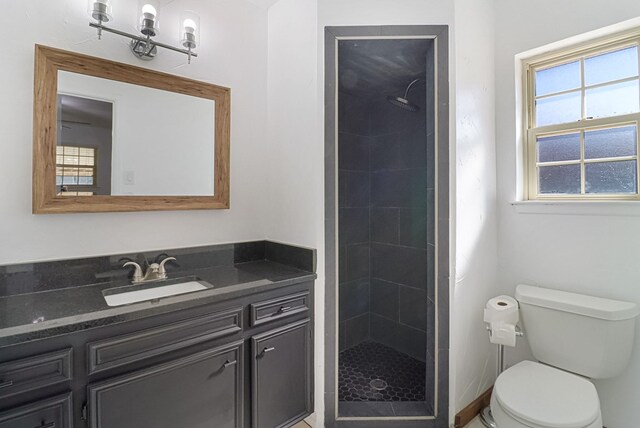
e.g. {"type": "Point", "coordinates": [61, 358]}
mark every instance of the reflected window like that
{"type": "Point", "coordinates": [75, 169]}
{"type": "Point", "coordinates": [583, 111]}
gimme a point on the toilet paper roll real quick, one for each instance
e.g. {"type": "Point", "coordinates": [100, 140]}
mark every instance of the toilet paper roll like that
{"type": "Point", "coordinates": [502, 309]}
{"type": "Point", "coordinates": [503, 334]}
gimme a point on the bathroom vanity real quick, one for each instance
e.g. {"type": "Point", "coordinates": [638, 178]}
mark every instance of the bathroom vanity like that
{"type": "Point", "coordinates": [237, 354]}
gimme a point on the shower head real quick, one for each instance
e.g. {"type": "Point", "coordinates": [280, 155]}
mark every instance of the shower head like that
{"type": "Point", "coordinates": [403, 102]}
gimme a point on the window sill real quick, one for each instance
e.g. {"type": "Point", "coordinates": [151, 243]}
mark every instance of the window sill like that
{"type": "Point", "coordinates": [589, 208]}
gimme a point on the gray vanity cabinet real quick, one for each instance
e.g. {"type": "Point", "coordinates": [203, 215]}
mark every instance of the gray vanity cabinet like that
{"type": "Point", "coordinates": [239, 363]}
{"type": "Point", "coordinates": [198, 391]}
{"type": "Point", "coordinates": [51, 413]}
{"type": "Point", "coordinates": [282, 375]}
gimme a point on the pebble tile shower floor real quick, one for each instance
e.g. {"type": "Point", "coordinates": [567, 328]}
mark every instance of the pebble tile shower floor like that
{"type": "Point", "coordinates": [364, 365]}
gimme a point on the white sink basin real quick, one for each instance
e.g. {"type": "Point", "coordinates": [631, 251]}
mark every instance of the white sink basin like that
{"type": "Point", "coordinates": [113, 298]}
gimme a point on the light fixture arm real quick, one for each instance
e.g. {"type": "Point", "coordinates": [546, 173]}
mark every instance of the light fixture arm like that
{"type": "Point", "coordinates": [150, 44]}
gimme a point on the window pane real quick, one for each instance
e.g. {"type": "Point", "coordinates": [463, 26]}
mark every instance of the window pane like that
{"type": "Point", "coordinates": [86, 151]}
{"type": "Point", "coordinates": [611, 66]}
{"type": "Point", "coordinates": [613, 100]}
{"type": "Point", "coordinates": [559, 148]}
{"type": "Point", "coordinates": [611, 177]}
{"type": "Point", "coordinates": [86, 161]}
{"type": "Point", "coordinates": [609, 143]}
{"type": "Point", "coordinates": [70, 151]}
{"type": "Point", "coordinates": [69, 180]}
{"type": "Point", "coordinates": [559, 179]}
{"type": "Point", "coordinates": [559, 109]}
{"type": "Point", "coordinates": [70, 160]}
{"type": "Point", "coordinates": [557, 79]}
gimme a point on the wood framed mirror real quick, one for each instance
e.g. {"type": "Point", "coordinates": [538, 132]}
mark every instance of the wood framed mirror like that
{"type": "Point", "coordinates": [109, 137]}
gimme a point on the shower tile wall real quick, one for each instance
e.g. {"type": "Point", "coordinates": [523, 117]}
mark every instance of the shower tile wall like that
{"type": "Point", "coordinates": [385, 203]}
{"type": "Point", "coordinates": [398, 231]}
{"type": "Point", "coordinates": [353, 217]}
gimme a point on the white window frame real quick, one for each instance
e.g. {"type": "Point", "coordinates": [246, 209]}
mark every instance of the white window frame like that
{"type": "Point", "coordinates": [531, 133]}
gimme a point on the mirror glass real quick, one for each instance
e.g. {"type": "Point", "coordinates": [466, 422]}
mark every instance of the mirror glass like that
{"type": "Point", "coordinates": [120, 139]}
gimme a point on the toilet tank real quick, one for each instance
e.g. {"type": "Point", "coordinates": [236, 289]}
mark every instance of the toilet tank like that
{"type": "Point", "coordinates": [587, 335]}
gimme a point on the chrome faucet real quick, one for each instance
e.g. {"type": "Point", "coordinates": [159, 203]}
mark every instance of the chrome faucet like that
{"type": "Point", "coordinates": [155, 271]}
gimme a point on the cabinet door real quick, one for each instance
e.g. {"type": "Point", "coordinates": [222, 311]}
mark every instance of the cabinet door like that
{"type": "Point", "coordinates": [52, 413]}
{"type": "Point", "coordinates": [282, 376]}
{"type": "Point", "coordinates": [198, 391]}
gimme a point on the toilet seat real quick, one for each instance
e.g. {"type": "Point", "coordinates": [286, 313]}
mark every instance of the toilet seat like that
{"type": "Point", "coordinates": [542, 396]}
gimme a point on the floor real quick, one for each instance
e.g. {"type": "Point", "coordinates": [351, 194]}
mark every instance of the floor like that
{"type": "Point", "coordinates": [371, 371]}
{"type": "Point", "coordinates": [473, 424]}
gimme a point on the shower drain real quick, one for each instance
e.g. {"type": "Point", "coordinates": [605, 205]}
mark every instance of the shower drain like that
{"type": "Point", "coordinates": [378, 384]}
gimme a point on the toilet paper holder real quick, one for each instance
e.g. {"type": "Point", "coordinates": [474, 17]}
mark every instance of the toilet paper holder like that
{"type": "Point", "coordinates": [519, 331]}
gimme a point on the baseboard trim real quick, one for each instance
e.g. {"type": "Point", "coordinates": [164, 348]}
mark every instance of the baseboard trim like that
{"type": "Point", "coordinates": [474, 408]}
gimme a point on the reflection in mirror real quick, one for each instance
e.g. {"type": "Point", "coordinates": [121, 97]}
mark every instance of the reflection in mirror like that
{"type": "Point", "coordinates": [84, 146]}
{"type": "Point", "coordinates": [115, 138]}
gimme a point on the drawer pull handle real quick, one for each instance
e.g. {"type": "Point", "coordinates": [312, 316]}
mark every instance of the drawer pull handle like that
{"type": "Point", "coordinates": [6, 384]}
{"type": "Point", "coordinates": [46, 425]}
{"type": "Point", "coordinates": [283, 309]}
{"type": "Point", "coordinates": [229, 364]}
{"type": "Point", "coordinates": [265, 350]}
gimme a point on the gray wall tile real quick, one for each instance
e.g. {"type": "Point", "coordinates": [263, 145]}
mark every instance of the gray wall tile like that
{"type": "Point", "coordinates": [353, 224]}
{"type": "Point", "coordinates": [402, 265]}
{"type": "Point", "coordinates": [399, 188]}
{"type": "Point", "coordinates": [412, 342]}
{"type": "Point", "coordinates": [384, 225]}
{"type": "Point", "coordinates": [384, 299]}
{"type": "Point", "coordinates": [357, 262]}
{"type": "Point", "coordinates": [413, 227]}
{"type": "Point", "coordinates": [357, 330]}
{"type": "Point", "coordinates": [353, 152]}
{"type": "Point", "coordinates": [413, 307]}
{"type": "Point", "coordinates": [354, 299]}
{"type": "Point", "coordinates": [358, 189]}
{"type": "Point", "coordinates": [384, 330]}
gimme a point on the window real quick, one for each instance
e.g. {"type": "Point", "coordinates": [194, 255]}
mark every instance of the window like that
{"type": "Point", "coordinates": [75, 170]}
{"type": "Point", "coordinates": [583, 110]}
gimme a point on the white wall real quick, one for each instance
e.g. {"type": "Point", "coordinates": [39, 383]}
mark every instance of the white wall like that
{"type": "Point", "coordinates": [583, 249]}
{"type": "Point", "coordinates": [296, 152]}
{"type": "Point", "coordinates": [472, 356]}
{"type": "Point", "coordinates": [233, 54]}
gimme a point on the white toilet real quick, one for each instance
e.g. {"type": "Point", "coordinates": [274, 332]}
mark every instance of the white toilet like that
{"type": "Point", "coordinates": [574, 337]}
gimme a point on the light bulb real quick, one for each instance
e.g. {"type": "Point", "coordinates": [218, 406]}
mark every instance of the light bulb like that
{"type": "Point", "coordinates": [149, 11]}
{"type": "Point", "coordinates": [189, 26]}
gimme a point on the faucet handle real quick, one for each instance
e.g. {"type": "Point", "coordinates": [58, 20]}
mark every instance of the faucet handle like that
{"type": "Point", "coordinates": [161, 270]}
{"type": "Point", "coordinates": [137, 273]}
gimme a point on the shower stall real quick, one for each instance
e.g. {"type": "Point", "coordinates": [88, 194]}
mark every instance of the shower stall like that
{"type": "Point", "coordinates": [385, 209]}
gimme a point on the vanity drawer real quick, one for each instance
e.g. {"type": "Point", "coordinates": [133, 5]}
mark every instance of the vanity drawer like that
{"type": "Point", "coordinates": [118, 351]}
{"type": "Point", "coordinates": [274, 309]}
{"type": "Point", "coordinates": [51, 413]}
{"type": "Point", "coordinates": [35, 372]}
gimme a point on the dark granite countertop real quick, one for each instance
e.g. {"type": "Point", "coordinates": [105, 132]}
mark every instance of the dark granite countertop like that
{"type": "Point", "coordinates": [50, 312]}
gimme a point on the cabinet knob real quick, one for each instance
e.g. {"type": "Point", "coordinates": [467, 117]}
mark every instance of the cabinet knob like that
{"type": "Point", "coordinates": [6, 384]}
{"type": "Point", "coordinates": [46, 425]}
{"type": "Point", "coordinates": [229, 364]}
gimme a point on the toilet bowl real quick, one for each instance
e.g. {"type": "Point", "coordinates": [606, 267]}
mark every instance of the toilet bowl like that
{"type": "Point", "coordinates": [533, 395]}
{"type": "Point", "coordinates": [574, 338]}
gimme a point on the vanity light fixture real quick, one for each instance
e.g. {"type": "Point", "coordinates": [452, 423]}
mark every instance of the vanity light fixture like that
{"type": "Point", "coordinates": [143, 46]}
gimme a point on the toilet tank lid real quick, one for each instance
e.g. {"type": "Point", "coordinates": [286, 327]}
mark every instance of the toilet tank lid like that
{"type": "Point", "coordinates": [596, 307]}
